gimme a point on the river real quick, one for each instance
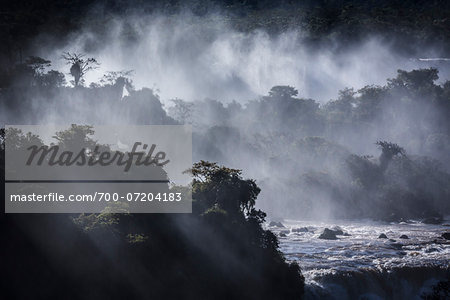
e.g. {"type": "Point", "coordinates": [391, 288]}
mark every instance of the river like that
{"type": "Point", "coordinates": [362, 266]}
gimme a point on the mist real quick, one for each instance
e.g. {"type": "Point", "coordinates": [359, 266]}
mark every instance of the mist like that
{"type": "Point", "coordinates": [192, 58]}
{"type": "Point", "coordinates": [320, 148]}
{"type": "Point", "coordinates": [201, 71]}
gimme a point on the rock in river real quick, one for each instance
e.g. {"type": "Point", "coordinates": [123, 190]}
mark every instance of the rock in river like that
{"type": "Point", "coordinates": [328, 234]}
{"type": "Point", "coordinates": [337, 230]}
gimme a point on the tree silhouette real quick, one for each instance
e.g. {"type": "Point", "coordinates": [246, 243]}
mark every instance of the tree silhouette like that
{"type": "Point", "coordinates": [79, 65]}
{"type": "Point", "coordinates": [37, 64]}
{"type": "Point", "coordinates": [388, 151]}
{"type": "Point", "coordinates": [283, 91]}
{"type": "Point", "coordinates": [52, 78]}
{"type": "Point", "coordinates": [222, 187]}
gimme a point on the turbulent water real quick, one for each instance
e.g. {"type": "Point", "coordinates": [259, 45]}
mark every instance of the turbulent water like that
{"type": "Point", "coordinates": [363, 266]}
